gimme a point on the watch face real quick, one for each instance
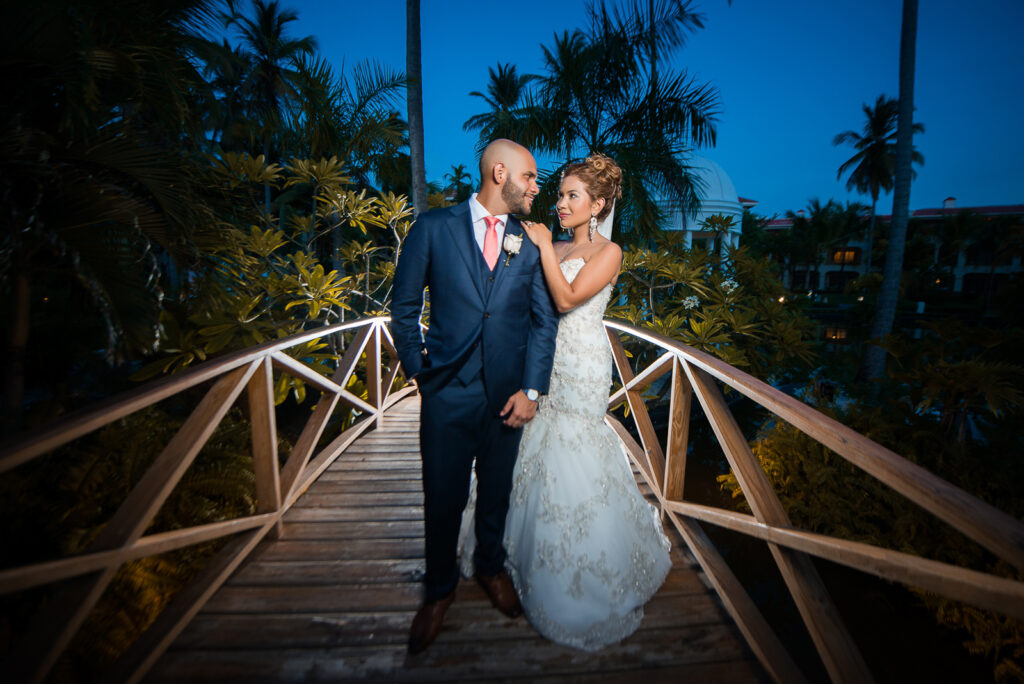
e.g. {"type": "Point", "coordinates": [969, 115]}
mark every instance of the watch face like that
{"type": "Point", "coordinates": [532, 394]}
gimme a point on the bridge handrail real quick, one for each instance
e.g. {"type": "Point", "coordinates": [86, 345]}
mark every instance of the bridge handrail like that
{"type": "Point", "coordinates": [693, 373]}
{"type": "Point", "coordinates": [277, 487]}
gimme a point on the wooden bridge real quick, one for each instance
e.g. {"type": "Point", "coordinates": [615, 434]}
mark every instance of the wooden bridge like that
{"type": "Point", "coordinates": [321, 582]}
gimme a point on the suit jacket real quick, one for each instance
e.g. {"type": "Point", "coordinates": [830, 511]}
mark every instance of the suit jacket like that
{"type": "Point", "coordinates": [512, 318]}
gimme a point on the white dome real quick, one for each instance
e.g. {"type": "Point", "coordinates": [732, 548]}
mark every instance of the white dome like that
{"type": "Point", "coordinates": [718, 196]}
{"type": "Point", "coordinates": [715, 182]}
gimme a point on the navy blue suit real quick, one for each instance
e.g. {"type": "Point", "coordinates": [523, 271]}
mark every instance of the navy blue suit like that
{"type": "Point", "coordinates": [491, 333]}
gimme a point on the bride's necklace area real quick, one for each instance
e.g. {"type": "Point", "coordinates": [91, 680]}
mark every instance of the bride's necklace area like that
{"type": "Point", "coordinates": [566, 257]}
{"type": "Point", "coordinates": [572, 248]}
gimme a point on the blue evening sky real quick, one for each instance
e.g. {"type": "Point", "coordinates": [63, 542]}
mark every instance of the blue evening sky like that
{"type": "Point", "coordinates": [790, 74]}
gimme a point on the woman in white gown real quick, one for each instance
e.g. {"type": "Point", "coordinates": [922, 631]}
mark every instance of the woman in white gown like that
{"type": "Point", "coordinates": [585, 550]}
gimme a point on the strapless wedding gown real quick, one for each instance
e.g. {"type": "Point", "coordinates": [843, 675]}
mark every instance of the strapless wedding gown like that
{"type": "Point", "coordinates": [585, 550]}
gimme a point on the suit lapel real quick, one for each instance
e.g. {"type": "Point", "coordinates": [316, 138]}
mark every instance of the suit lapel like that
{"type": "Point", "coordinates": [513, 227]}
{"type": "Point", "coordinates": [461, 228]}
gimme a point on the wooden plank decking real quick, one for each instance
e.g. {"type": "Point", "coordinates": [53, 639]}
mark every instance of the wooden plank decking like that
{"type": "Point", "coordinates": [332, 600]}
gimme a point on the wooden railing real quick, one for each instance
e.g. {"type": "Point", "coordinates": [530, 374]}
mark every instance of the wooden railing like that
{"type": "Point", "coordinates": [694, 373]}
{"type": "Point", "coordinates": [85, 576]}
{"type": "Point", "coordinates": [123, 538]}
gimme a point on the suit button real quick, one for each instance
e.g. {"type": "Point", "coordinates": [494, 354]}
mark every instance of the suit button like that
{"type": "Point", "coordinates": [487, 315]}
{"type": "Point", "coordinates": [491, 279]}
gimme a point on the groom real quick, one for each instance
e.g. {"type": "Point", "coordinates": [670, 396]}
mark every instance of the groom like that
{"type": "Point", "coordinates": [486, 359]}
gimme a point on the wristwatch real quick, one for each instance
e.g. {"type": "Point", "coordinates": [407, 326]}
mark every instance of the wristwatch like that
{"type": "Point", "coordinates": [532, 394]}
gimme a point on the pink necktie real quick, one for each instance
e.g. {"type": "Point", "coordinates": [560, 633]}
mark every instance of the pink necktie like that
{"type": "Point", "coordinates": [491, 242]}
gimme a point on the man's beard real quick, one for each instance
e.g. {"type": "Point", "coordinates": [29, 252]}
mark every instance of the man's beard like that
{"type": "Point", "coordinates": [515, 197]}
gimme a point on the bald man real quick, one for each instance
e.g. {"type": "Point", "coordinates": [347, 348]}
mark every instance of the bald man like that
{"type": "Point", "coordinates": [484, 362]}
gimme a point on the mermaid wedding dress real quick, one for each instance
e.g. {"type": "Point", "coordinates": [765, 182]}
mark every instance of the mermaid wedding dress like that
{"type": "Point", "coordinates": [585, 550]}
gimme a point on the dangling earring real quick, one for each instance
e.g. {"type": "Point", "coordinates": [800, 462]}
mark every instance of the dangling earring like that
{"type": "Point", "coordinates": [593, 227]}
{"type": "Point", "coordinates": [568, 229]}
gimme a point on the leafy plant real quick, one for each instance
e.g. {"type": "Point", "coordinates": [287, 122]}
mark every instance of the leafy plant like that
{"type": "Point", "coordinates": [252, 289]}
{"type": "Point", "coordinates": [725, 304]}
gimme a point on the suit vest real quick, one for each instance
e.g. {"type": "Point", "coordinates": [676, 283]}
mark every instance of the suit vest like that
{"type": "Point", "coordinates": [474, 362]}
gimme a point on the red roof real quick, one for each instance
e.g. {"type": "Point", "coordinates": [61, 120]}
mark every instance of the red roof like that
{"type": "Point", "coordinates": [990, 210]}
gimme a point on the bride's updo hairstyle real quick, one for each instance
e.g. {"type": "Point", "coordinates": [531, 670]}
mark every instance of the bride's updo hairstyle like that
{"type": "Point", "coordinates": [602, 176]}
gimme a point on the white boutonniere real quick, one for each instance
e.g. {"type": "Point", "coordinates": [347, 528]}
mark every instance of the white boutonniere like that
{"type": "Point", "coordinates": [511, 244]}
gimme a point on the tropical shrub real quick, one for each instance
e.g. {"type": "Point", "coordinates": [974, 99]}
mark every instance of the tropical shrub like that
{"type": "Point", "coordinates": [729, 305]}
{"type": "Point", "coordinates": [266, 282]}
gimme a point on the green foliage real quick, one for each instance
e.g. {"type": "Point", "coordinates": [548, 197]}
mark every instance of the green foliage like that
{"type": "Point", "coordinates": [956, 372]}
{"type": "Point", "coordinates": [726, 306]}
{"type": "Point", "coordinates": [459, 183]}
{"type": "Point", "coordinates": [98, 199]}
{"type": "Point", "coordinates": [267, 282]}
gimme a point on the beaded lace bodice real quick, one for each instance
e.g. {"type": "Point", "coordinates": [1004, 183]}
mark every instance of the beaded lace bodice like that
{"type": "Point", "coordinates": [582, 368]}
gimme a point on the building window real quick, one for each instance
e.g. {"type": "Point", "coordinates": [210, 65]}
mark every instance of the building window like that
{"type": "Point", "coordinates": [845, 256]}
{"type": "Point", "coordinates": [835, 334]}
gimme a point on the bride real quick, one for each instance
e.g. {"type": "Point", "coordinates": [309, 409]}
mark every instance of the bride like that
{"type": "Point", "coordinates": [585, 550]}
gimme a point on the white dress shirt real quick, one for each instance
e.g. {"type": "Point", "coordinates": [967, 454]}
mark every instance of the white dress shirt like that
{"type": "Point", "coordinates": [478, 212]}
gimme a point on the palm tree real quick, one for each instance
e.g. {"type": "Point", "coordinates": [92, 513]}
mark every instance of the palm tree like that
{"type": "Point", "coordinates": [225, 68]}
{"type": "Point", "coordinates": [871, 168]}
{"type": "Point", "coordinates": [350, 116]}
{"type": "Point", "coordinates": [414, 70]}
{"type": "Point", "coordinates": [597, 94]}
{"type": "Point", "coordinates": [873, 363]}
{"type": "Point", "coordinates": [459, 181]}
{"type": "Point", "coordinates": [506, 93]}
{"type": "Point", "coordinates": [848, 224]}
{"type": "Point", "coordinates": [811, 235]}
{"type": "Point", "coordinates": [272, 83]}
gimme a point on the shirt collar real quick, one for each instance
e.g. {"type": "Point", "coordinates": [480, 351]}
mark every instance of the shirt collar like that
{"type": "Point", "coordinates": [478, 211]}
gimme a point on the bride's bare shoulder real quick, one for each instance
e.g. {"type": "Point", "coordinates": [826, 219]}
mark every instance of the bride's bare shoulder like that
{"type": "Point", "coordinates": [610, 250]}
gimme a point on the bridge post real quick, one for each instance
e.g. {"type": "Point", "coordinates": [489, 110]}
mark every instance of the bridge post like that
{"type": "Point", "coordinates": [678, 433]}
{"type": "Point", "coordinates": [373, 374]}
{"type": "Point", "coordinates": [263, 420]}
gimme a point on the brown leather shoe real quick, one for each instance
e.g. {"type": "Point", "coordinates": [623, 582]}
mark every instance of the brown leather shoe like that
{"type": "Point", "coordinates": [503, 594]}
{"type": "Point", "coordinates": [427, 623]}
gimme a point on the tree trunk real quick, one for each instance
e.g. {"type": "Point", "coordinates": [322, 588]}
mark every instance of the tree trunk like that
{"type": "Point", "coordinates": [414, 96]}
{"type": "Point", "coordinates": [871, 237]}
{"type": "Point", "coordinates": [266, 186]}
{"type": "Point", "coordinates": [873, 363]}
{"type": "Point", "coordinates": [14, 390]}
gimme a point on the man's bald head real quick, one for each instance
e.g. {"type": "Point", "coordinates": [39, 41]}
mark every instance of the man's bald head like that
{"type": "Point", "coordinates": [501, 151]}
{"type": "Point", "coordinates": [508, 178]}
